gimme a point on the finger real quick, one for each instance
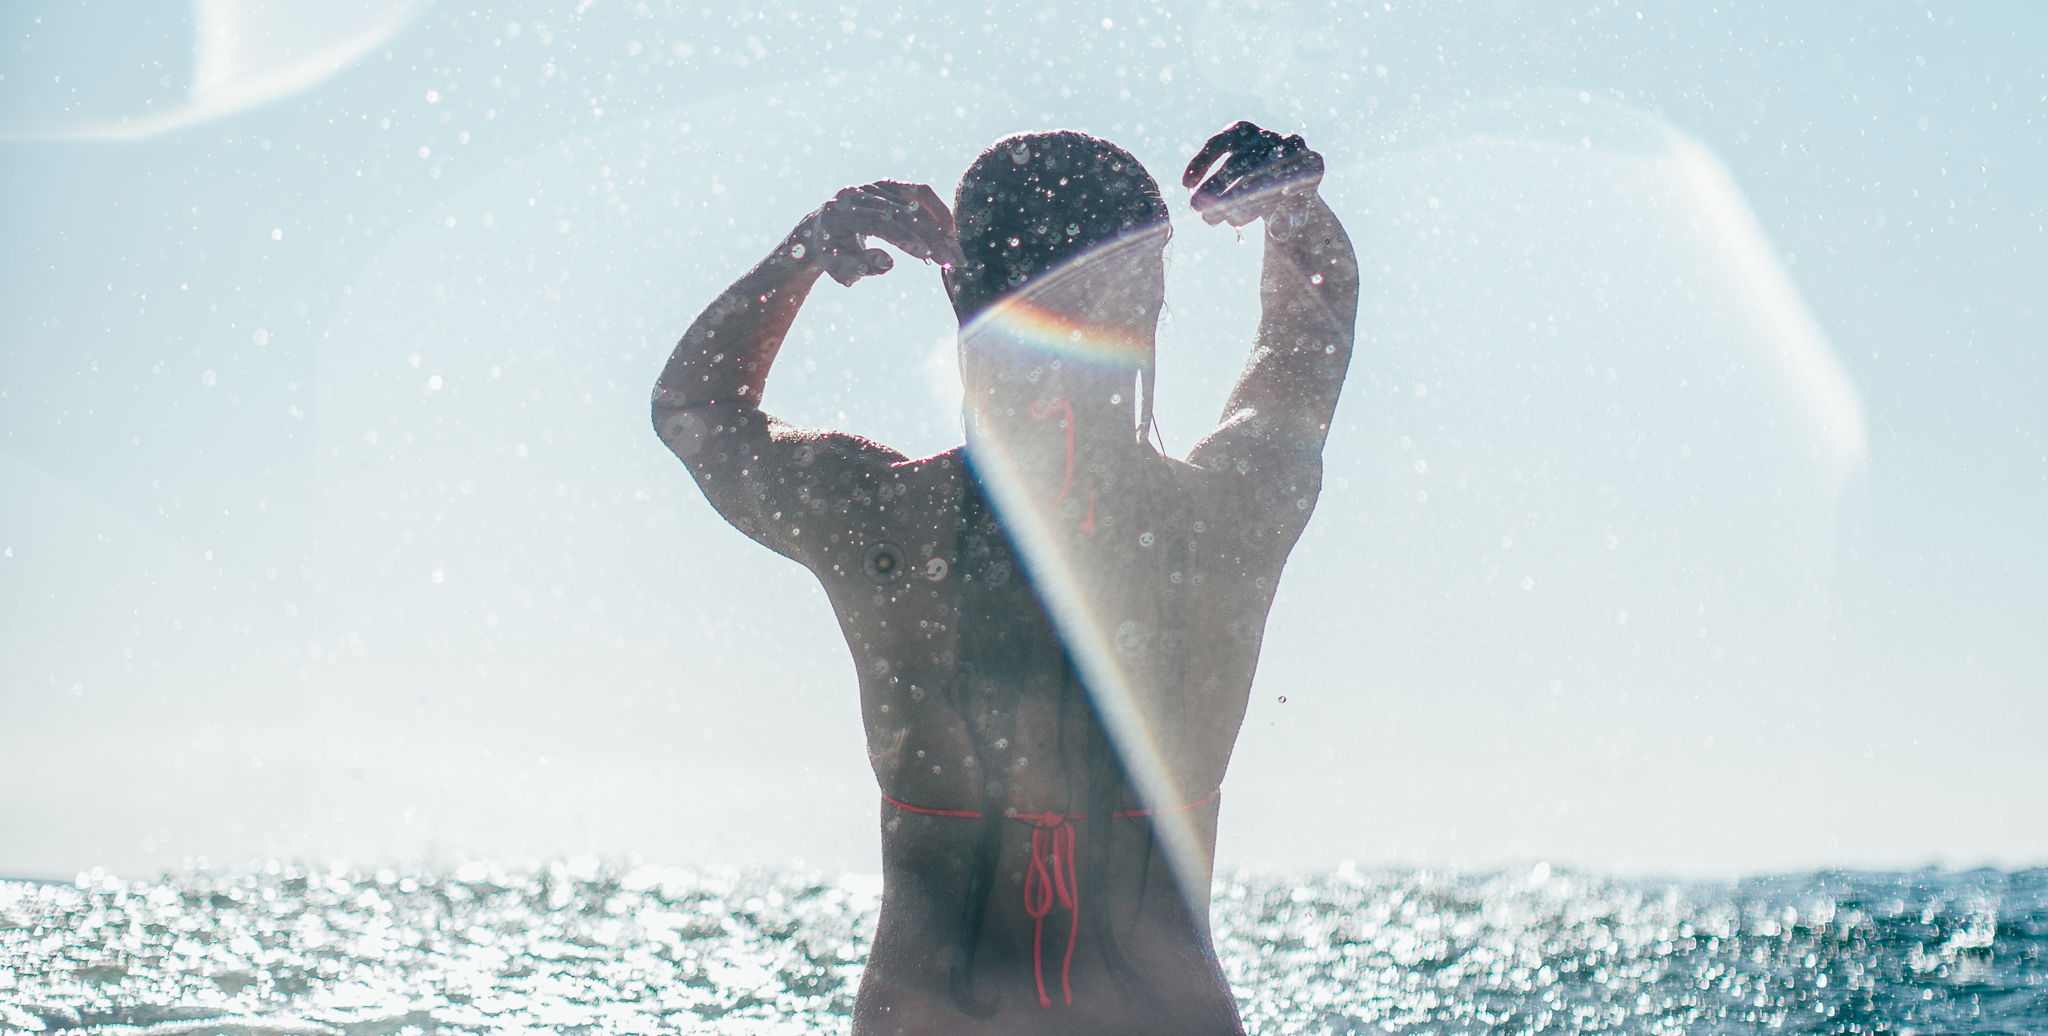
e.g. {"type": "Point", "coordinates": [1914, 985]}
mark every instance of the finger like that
{"type": "Point", "coordinates": [847, 267]}
{"type": "Point", "coordinates": [1261, 194]}
{"type": "Point", "coordinates": [933, 228]}
{"type": "Point", "coordinates": [1247, 156]}
{"type": "Point", "coordinates": [916, 234]}
{"type": "Point", "coordinates": [879, 211]}
{"type": "Point", "coordinates": [1216, 147]}
{"type": "Point", "coordinates": [850, 266]}
{"type": "Point", "coordinates": [1284, 176]}
{"type": "Point", "coordinates": [933, 218]}
{"type": "Point", "coordinates": [921, 196]}
{"type": "Point", "coordinates": [1264, 175]}
{"type": "Point", "coordinates": [848, 222]}
{"type": "Point", "coordinates": [928, 216]}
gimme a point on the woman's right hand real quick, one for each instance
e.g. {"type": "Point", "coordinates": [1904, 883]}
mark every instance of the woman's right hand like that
{"type": "Point", "coordinates": [907, 215]}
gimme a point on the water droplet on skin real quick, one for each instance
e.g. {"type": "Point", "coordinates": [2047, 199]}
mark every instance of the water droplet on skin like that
{"type": "Point", "coordinates": [796, 251]}
{"type": "Point", "coordinates": [1144, 539]}
{"type": "Point", "coordinates": [1014, 242]}
{"type": "Point", "coordinates": [1116, 399]}
{"type": "Point", "coordinates": [1074, 229]}
{"type": "Point", "coordinates": [1315, 278]}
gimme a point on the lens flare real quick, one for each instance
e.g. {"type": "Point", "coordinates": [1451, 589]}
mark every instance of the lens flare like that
{"type": "Point", "coordinates": [1041, 318]}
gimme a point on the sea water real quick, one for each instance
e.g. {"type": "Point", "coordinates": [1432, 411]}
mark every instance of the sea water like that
{"type": "Point", "coordinates": [583, 948]}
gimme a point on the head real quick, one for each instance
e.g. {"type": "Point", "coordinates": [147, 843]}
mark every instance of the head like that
{"type": "Point", "coordinates": [1062, 233]}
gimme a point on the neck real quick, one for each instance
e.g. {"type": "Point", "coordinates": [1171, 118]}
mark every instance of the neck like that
{"type": "Point", "coordinates": [1056, 453]}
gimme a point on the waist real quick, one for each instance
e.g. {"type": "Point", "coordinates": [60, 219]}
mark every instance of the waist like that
{"type": "Point", "coordinates": [1051, 818]}
{"type": "Point", "coordinates": [1053, 882]}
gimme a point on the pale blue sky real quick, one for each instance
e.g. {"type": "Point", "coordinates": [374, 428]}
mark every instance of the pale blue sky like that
{"type": "Point", "coordinates": [1686, 504]}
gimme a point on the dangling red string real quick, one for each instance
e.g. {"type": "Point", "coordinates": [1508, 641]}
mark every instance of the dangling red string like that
{"type": "Point", "coordinates": [1052, 877]}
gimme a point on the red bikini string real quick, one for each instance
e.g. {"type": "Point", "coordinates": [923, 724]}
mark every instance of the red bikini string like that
{"type": "Point", "coordinates": [1053, 837]}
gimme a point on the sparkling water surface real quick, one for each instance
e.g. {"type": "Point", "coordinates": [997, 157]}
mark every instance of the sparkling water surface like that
{"type": "Point", "coordinates": [584, 948]}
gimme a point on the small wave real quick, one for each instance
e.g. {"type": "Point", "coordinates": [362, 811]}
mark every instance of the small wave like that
{"type": "Point", "coordinates": [582, 947]}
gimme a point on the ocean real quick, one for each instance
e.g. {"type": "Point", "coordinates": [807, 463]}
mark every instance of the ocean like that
{"type": "Point", "coordinates": [585, 948]}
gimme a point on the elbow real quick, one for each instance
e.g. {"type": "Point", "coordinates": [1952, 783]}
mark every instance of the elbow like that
{"type": "Point", "coordinates": [685, 430]}
{"type": "Point", "coordinates": [660, 408]}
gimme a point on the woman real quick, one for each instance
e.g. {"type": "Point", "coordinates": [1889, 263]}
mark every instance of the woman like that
{"type": "Point", "coordinates": [1055, 626]}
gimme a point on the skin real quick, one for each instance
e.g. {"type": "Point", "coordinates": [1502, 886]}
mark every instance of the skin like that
{"type": "Point", "coordinates": [879, 531]}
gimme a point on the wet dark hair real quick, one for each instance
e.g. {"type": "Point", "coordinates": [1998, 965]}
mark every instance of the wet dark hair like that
{"type": "Point", "coordinates": [1033, 200]}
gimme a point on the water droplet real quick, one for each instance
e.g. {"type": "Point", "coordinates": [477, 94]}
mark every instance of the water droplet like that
{"type": "Point", "coordinates": [1116, 399]}
{"type": "Point", "coordinates": [1315, 278]}
{"type": "Point", "coordinates": [1014, 242]}
{"type": "Point", "coordinates": [1144, 539]}
{"type": "Point", "coordinates": [885, 563]}
{"type": "Point", "coordinates": [796, 251]}
{"type": "Point", "coordinates": [1283, 699]}
{"type": "Point", "coordinates": [1075, 228]}
{"type": "Point", "coordinates": [209, 379]}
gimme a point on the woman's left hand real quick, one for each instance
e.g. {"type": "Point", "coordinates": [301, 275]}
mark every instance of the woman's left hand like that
{"type": "Point", "coordinates": [1264, 172]}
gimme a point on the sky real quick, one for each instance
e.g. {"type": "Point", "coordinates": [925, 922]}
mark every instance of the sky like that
{"type": "Point", "coordinates": [1683, 514]}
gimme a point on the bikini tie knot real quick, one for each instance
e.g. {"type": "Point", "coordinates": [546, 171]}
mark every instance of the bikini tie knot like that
{"type": "Point", "coordinates": [1052, 878]}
